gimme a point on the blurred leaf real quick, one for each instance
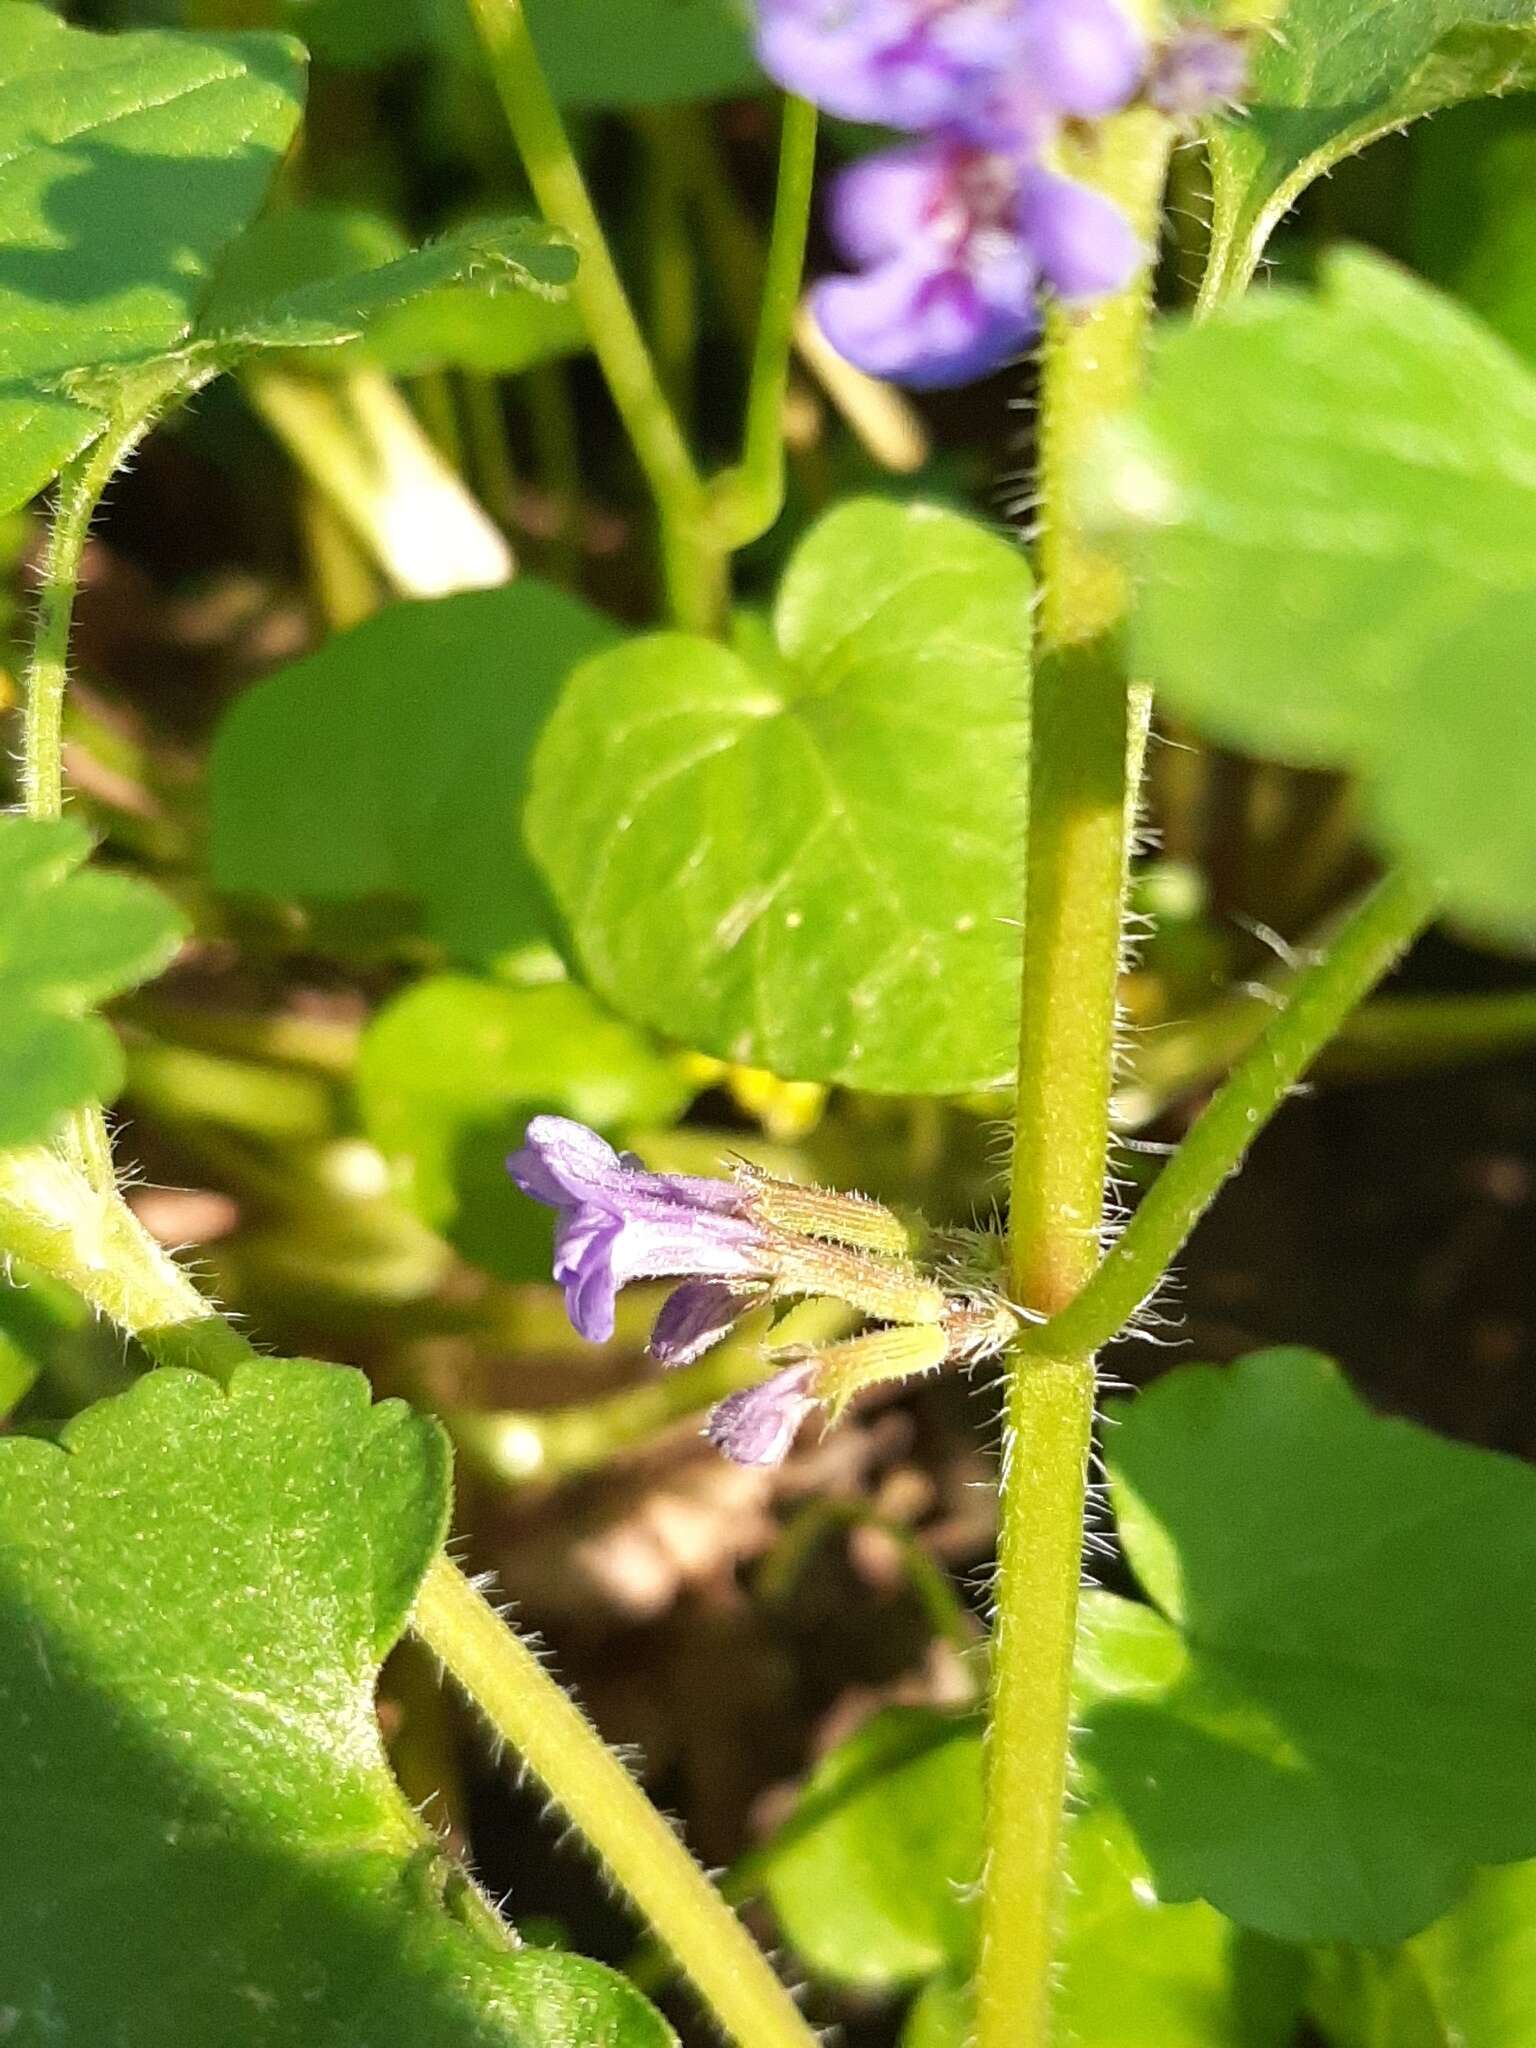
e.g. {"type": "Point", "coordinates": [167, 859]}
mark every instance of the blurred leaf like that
{"type": "Point", "coordinates": [1479, 1963]}
{"type": "Point", "coordinates": [203, 1839]}
{"type": "Point", "coordinates": [941, 2015]}
{"type": "Point", "coordinates": [456, 327]}
{"type": "Point", "coordinates": [873, 1877]}
{"type": "Point", "coordinates": [126, 164]}
{"type": "Point", "coordinates": [803, 854]}
{"type": "Point", "coordinates": [1471, 226]}
{"type": "Point", "coordinates": [450, 1073]}
{"type": "Point", "coordinates": [1346, 1724]}
{"type": "Point", "coordinates": [1331, 501]}
{"type": "Point", "coordinates": [595, 53]}
{"type": "Point", "coordinates": [263, 298]}
{"type": "Point", "coordinates": [644, 53]}
{"type": "Point", "coordinates": [68, 941]}
{"type": "Point", "coordinates": [1334, 76]}
{"type": "Point", "coordinates": [393, 761]}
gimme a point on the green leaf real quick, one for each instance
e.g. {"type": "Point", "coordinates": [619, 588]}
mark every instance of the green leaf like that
{"type": "Point", "coordinates": [450, 1073]}
{"type": "Point", "coordinates": [1471, 216]}
{"type": "Point", "coordinates": [68, 941]}
{"type": "Point", "coordinates": [644, 53]}
{"type": "Point", "coordinates": [872, 1878]}
{"type": "Point", "coordinates": [204, 1841]}
{"type": "Point", "coordinates": [460, 326]}
{"type": "Point", "coordinates": [1334, 76]}
{"type": "Point", "coordinates": [264, 298]}
{"type": "Point", "coordinates": [1345, 1723]}
{"type": "Point", "coordinates": [1479, 1963]}
{"type": "Point", "coordinates": [803, 855]}
{"type": "Point", "coordinates": [1331, 503]}
{"type": "Point", "coordinates": [177, 135]}
{"type": "Point", "coordinates": [392, 763]}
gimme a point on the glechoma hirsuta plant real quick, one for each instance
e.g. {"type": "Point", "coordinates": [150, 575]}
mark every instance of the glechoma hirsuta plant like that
{"type": "Point", "coordinates": [881, 842]}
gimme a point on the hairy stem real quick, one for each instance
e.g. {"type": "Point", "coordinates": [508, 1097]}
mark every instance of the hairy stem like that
{"type": "Point", "coordinates": [1368, 944]}
{"type": "Point", "coordinates": [693, 556]}
{"type": "Point", "coordinates": [553, 1739]}
{"type": "Point", "coordinates": [754, 493]}
{"type": "Point", "coordinates": [84, 1140]}
{"type": "Point", "coordinates": [1085, 754]}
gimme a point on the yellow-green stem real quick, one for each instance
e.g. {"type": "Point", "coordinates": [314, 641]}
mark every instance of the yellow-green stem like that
{"type": "Point", "coordinates": [554, 1740]}
{"type": "Point", "coordinates": [1085, 751]}
{"type": "Point", "coordinates": [693, 558]}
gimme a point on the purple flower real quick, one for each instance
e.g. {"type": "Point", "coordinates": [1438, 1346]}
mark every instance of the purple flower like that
{"type": "Point", "coordinates": [758, 1426]}
{"type": "Point", "coordinates": [1081, 58]}
{"type": "Point", "coordinates": [697, 1315]}
{"type": "Point", "coordinates": [1199, 69]}
{"type": "Point", "coordinates": [949, 291]}
{"type": "Point", "coordinates": [1081, 242]}
{"type": "Point", "coordinates": [618, 1223]}
{"type": "Point", "coordinates": [904, 63]}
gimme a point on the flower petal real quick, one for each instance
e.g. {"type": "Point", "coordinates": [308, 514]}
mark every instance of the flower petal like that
{"type": "Point", "coordinates": [1084, 57]}
{"type": "Point", "coordinates": [757, 1427]}
{"type": "Point", "coordinates": [932, 328]}
{"type": "Point", "coordinates": [696, 1316]}
{"type": "Point", "coordinates": [1082, 243]}
{"type": "Point", "coordinates": [882, 203]}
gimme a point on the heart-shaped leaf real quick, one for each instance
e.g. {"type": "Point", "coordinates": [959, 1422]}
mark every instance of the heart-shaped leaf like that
{"type": "Point", "coordinates": [392, 763]}
{"type": "Point", "coordinates": [804, 855]}
{"type": "Point", "coordinates": [1331, 504]}
{"type": "Point", "coordinates": [1346, 1721]}
{"type": "Point", "coordinates": [68, 941]}
{"type": "Point", "coordinates": [202, 1838]}
{"type": "Point", "coordinates": [1333, 76]}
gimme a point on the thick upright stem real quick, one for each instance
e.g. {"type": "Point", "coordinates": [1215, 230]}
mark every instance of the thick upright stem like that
{"type": "Point", "coordinates": [1085, 752]}
{"type": "Point", "coordinates": [693, 558]}
{"type": "Point", "coordinates": [554, 1740]}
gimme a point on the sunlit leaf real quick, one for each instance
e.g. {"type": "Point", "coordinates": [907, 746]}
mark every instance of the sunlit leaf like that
{"type": "Point", "coordinates": [803, 853]}
{"type": "Point", "coordinates": [1345, 1724]}
{"type": "Point", "coordinates": [203, 1841]}
{"type": "Point", "coordinates": [1333, 76]}
{"type": "Point", "coordinates": [1331, 503]}
{"type": "Point", "coordinates": [177, 135]}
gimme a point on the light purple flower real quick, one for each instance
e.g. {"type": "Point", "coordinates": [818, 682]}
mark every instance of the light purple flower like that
{"type": "Point", "coordinates": [1081, 58]}
{"type": "Point", "coordinates": [949, 291]}
{"type": "Point", "coordinates": [758, 1426]}
{"type": "Point", "coordinates": [903, 63]}
{"type": "Point", "coordinates": [1198, 69]}
{"type": "Point", "coordinates": [697, 1315]}
{"type": "Point", "coordinates": [1081, 242]}
{"type": "Point", "coordinates": [617, 1222]}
